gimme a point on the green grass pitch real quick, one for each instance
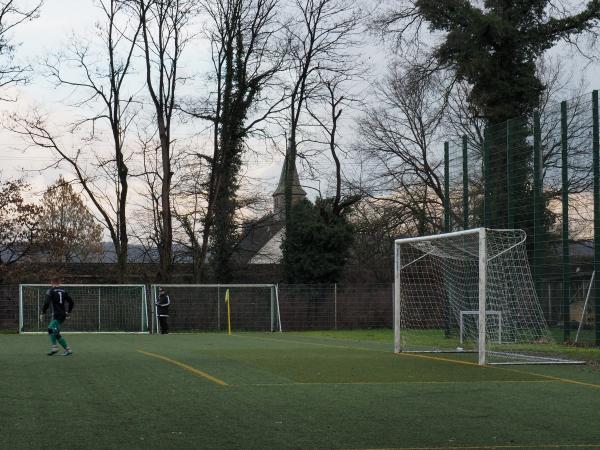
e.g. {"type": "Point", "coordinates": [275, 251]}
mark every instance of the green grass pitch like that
{"type": "Point", "coordinates": [283, 390]}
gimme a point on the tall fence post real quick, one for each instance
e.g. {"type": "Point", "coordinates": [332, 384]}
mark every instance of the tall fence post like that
{"type": "Point", "coordinates": [538, 206]}
{"type": "Point", "coordinates": [465, 180]}
{"type": "Point", "coordinates": [596, 162]}
{"type": "Point", "coordinates": [446, 222]}
{"type": "Point", "coordinates": [446, 187]}
{"type": "Point", "coordinates": [510, 197]}
{"type": "Point", "coordinates": [487, 181]}
{"type": "Point", "coordinates": [335, 318]}
{"type": "Point", "coordinates": [566, 297]}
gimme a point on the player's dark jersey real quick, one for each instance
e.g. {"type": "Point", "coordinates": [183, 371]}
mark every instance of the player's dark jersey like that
{"type": "Point", "coordinates": [61, 302]}
{"type": "Point", "coordinates": [162, 305]}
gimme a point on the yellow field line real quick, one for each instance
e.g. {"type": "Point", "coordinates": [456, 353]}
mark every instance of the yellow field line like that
{"type": "Point", "coordinates": [551, 377]}
{"type": "Point", "coordinates": [319, 344]}
{"type": "Point", "coordinates": [186, 367]}
{"type": "Point", "coordinates": [523, 372]}
{"type": "Point", "coordinates": [439, 358]}
{"type": "Point", "coordinates": [383, 383]}
{"type": "Point", "coordinates": [436, 358]}
{"type": "Point", "coordinates": [485, 447]}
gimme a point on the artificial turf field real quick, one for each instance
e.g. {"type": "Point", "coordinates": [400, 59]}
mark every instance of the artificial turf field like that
{"type": "Point", "coordinates": [282, 390]}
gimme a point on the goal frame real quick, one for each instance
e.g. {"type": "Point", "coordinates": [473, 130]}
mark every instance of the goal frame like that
{"type": "Point", "coordinates": [275, 310]}
{"type": "Point", "coordinates": [481, 313]}
{"type": "Point", "coordinates": [481, 232]}
{"type": "Point", "coordinates": [144, 307]}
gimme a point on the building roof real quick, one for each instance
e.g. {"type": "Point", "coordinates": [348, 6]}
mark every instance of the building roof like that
{"type": "Point", "coordinates": [256, 235]}
{"type": "Point", "coordinates": [296, 187]}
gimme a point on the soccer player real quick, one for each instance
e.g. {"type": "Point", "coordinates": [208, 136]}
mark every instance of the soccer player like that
{"type": "Point", "coordinates": [58, 298]}
{"type": "Point", "coordinates": [162, 310]}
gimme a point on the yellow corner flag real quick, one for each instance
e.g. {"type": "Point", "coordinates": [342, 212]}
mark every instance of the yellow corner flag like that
{"type": "Point", "coordinates": [228, 312]}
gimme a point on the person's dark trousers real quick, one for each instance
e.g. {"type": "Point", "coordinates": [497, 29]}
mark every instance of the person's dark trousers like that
{"type": "Point", "coordinates": [164, 326]}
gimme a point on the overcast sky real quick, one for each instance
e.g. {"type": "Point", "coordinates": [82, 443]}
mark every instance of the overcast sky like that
{"type": "Point", "coordinates": [60, 18]}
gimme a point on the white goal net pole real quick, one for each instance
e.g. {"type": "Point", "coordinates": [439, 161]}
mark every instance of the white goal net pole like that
{"type": "Point", "coordinates": [397, 281]}
{"type": "Point", "coordinates": [482, 295]}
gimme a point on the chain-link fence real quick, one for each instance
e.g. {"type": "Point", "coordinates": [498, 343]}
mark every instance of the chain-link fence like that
{"type": "Point", "coordinates": [301, 307]}
{"type": "Point", "coordinates": [539, 173]}
{"type": "Point", "coordinates": [336, 306]}
{"type": "Point", "coordinates": [9, 308]}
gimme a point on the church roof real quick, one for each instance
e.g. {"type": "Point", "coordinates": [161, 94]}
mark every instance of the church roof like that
{"type": "Point", "coordinates": [256, 235]}
{"type": "Point", "coordinates": [296, 188]}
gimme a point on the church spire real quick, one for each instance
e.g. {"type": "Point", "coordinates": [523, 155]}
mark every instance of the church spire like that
{"type": "Point", "coordinates": [298, 193]}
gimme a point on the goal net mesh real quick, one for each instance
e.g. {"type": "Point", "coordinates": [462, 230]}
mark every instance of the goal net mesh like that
{"type": "Point", "coordinates": [439, 284]}
{"type": "Point", "coordinates": [203, 307]}
{"type": "Point", "coordinates": [97, 308]}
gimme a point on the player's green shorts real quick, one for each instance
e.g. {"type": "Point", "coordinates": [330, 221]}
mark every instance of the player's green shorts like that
{"type": "Point", "coordinates": [55, 324]}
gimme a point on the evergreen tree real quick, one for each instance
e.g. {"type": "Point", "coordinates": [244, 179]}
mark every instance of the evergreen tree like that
{"type": "Point", "coordinates": [317, 243]}
{"type": "Point", "coordinates": [495, 48]}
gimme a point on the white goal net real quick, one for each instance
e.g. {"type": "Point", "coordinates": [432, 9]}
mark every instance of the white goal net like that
{"type": "Point", "coordinates": [470, 291]}
{"type": "Point", "coordinates": [202, 307]}
{"type": "Point", "coordinates": [97, 308]}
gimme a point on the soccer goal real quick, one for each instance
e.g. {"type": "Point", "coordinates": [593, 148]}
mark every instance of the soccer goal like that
{"type": "Point", "coordinates": [470, 291]}
{"type": "Point", "coordinates": [202, 307]}
{"type": "Point", "coordinates": [98, 308]}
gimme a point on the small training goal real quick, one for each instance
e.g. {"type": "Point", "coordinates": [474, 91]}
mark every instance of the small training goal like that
{"type": "Point", "coordinates": [98, 308]}
{"type": "Point", "coordinates": [203, 307]}
{"type": "Point", "coordinates": [470, 291]}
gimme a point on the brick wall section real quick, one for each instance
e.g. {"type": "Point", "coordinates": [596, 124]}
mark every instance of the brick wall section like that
{"type": "Point", "coordinates": [96, 273]}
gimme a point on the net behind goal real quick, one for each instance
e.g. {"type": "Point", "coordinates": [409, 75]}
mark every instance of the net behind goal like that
{"type": "Point", "coordinates": [202, 307]}
{"type": "Point", "coordinates": [98, 308]}
{"type": "Point", "coordinates": [470, 291]}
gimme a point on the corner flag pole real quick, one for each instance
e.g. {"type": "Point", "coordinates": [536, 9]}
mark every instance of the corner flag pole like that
{"type": "Point", "coordinates": [228, 312]}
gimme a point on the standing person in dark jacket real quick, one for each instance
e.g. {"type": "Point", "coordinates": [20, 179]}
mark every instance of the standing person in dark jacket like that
{"type": "Point", "coordinates": [162, 311]}
{"type": "Point", "coordinates": [62, 305]}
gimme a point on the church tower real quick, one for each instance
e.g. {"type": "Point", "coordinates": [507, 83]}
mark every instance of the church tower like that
{"type": "Point", "coordinates": [298, 194]}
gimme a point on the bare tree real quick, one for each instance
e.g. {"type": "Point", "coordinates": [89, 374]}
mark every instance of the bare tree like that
{"type": "Point", "coordinates": [101, 73]}
{"type": "Point", "coordinates": [12, 14]}
{"type": "Point", "coordinates": [334, 98]}
{"type": "Point", "coordinates": [164, 37]}
{"type": "Point", "coordinates": [246, 60]}
{"type": "Point", "coordinates": [397, 144]}
{"type": "Point", "coordinates": [149, 224]}
{"type": "Point", "coordinates": [321, 41]}
{"type": "Point", "coordinates": [189, 210]}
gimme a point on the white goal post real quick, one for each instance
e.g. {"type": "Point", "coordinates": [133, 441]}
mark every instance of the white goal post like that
{"type": "Point", "coordinates": [202, 307]}
{"type": "Point", "coordinates": [98, 308]}
{"type": "Point", "coordinates": [442, 281]}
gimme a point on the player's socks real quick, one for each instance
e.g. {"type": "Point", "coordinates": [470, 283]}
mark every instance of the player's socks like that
{"type": "Point", "coordinates": [53, 350]}
{"type": "Point", "coordinates": [63, 343]}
